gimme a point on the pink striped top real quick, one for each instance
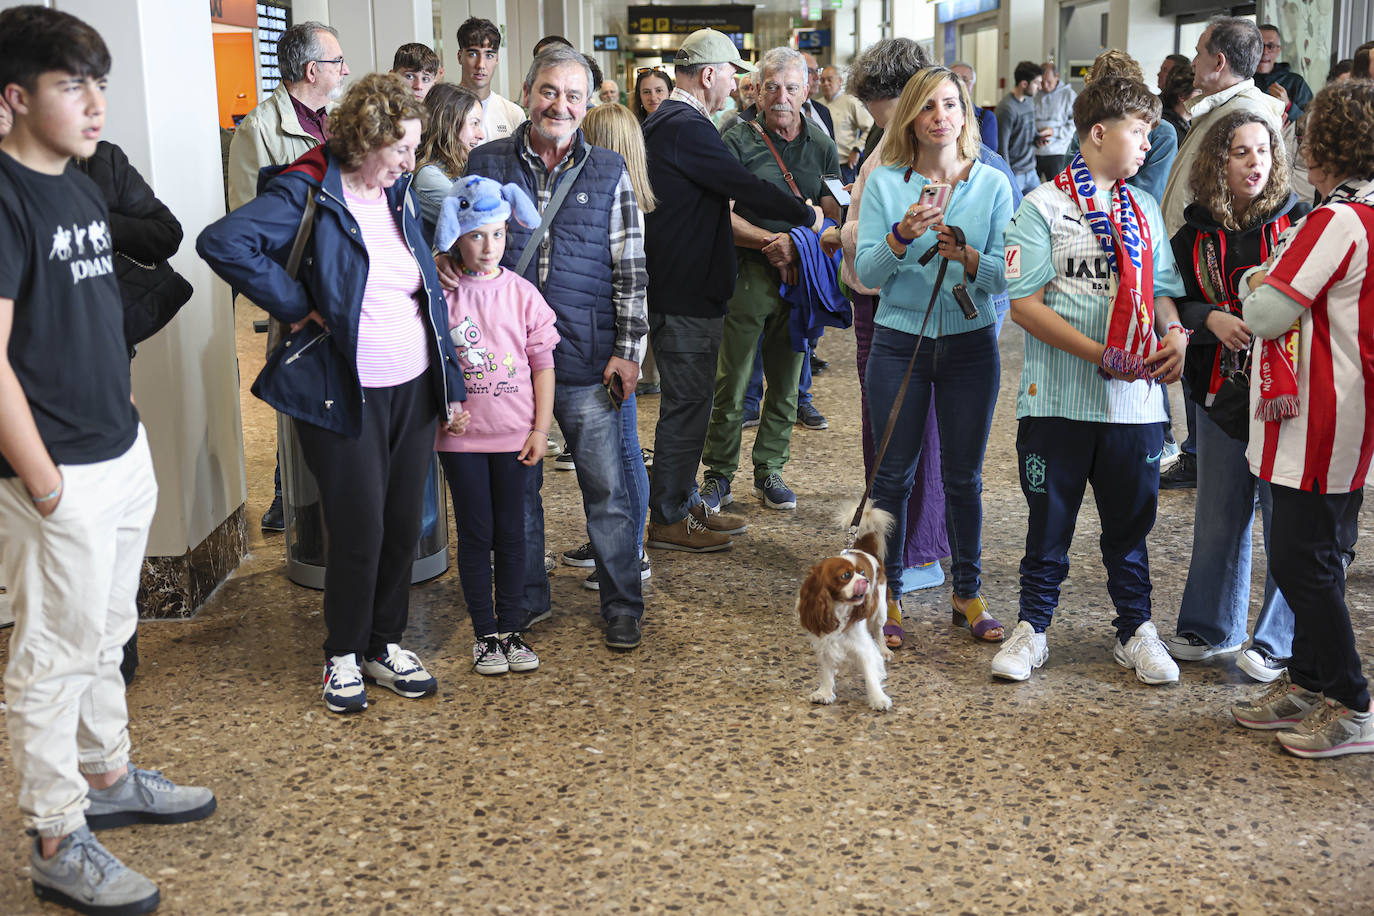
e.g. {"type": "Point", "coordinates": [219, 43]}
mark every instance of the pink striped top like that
{"type": "Point", "coordinates": [393, 344]}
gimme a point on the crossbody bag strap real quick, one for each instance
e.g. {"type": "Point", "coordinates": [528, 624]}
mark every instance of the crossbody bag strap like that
{"type": "Point", "coordinates": [293, 262]}
{"type": "Point", "coordinates": [555, 202]}
{"type": "Point", "coordinates": [786, 172]}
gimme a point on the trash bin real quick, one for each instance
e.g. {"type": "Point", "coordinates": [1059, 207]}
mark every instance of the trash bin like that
{"type": "Point", "coordinates": [307, 540]}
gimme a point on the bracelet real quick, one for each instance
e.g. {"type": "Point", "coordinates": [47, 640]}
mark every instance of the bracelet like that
{"type": "Point", "coordinates": [898, 236]}
{"type": "Point", "coordinates": [1187, 334]}
{"type": "Point", "coordinates": [541, 432]}
{"type": "Point", "coordinates": [56, 491]}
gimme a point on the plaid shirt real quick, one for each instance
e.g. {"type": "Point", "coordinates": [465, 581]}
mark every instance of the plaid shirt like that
{"type": "Point", "coordinates": [629, 276]}
{"type": "Point", "coordinates": [683, 95]}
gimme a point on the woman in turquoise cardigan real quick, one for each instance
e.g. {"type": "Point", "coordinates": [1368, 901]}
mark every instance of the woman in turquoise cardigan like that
{"type": "Point", "coordinates": [932, 139]}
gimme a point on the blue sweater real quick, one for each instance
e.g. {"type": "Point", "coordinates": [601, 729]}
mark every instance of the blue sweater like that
{"type": "Point", "coordinates": [981, 206]}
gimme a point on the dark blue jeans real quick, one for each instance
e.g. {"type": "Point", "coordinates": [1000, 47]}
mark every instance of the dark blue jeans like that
{"type": "Point", "coordinates": [961, 372]}
{"type": "Point", "coordinates": [1057, 459]}
{"type": "Point", "coordinates": [686, 349]}
{"type": "Point", "coordinates": [635, 471]}
{"type": "Point", "coordinates": [488, 492]}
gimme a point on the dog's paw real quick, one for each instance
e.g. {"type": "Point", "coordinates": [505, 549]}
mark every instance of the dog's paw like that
{"type": "Point", "coordinates": [880, 702]}
{"type": "Point", "coordinates": [820, 696]}
{"type": "Point", "coordinates": [886, 653]}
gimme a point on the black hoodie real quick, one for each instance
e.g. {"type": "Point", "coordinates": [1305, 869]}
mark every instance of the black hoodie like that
{"type": "Point", "coordinates": [688, 242]}
{"type": "Point", "coordinates": [1234, 253]}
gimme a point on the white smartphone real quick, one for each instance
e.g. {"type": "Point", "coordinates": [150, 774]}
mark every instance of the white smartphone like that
{"type": "Point", "coordinates": [936, 194]}
{"type": "Point", "coordinates": [837, 191]}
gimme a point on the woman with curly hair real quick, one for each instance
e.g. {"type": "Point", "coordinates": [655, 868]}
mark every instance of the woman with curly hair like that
{"type": "Point", "coordinates": [1242, 202]}
{"type": "Point", "coordinates": [1312, 306]}
{"type": "Point", "coordinates": [454, 129]}
{"type": "Point", "coordinates": [651, 90]}
{"type": "Point", "coordinates": [368, 371]}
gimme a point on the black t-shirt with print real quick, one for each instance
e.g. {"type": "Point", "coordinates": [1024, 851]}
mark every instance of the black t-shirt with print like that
{"type": "Point", "coordinates": [67, 339]}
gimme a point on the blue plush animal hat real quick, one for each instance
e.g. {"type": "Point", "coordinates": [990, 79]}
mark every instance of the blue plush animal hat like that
{"type": "Point", "coordinates": [476, 201]}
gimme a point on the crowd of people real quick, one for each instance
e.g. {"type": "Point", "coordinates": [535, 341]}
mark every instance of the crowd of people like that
{"type": "Point", "coordinates": [1216, 233]}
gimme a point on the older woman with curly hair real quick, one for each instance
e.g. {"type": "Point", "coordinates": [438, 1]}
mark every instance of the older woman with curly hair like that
{"type": "Point", "coordinates": [1242, 202]}
{"type": "Point", "coordinates": [1312, 306]}
{"type": "Point", "coordinates": [367, 372]}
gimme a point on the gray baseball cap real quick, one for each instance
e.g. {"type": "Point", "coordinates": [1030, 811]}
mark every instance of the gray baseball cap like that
{"type": "Point", "coordinates": [707, 46]}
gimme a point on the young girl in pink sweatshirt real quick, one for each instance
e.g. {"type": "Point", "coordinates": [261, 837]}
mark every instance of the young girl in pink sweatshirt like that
{"type": "Point", "coordinates": [504, 333]}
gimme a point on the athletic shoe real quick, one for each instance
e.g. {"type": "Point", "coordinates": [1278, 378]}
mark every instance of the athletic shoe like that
{"type": "Point", "coordinates": [1189, 648]}
{"type": "Point", "coordinates": [1182, 476]}
{"type": "Point", "coordinates": [1260, 665]}
{"type": "Point", "coordinates": [593, 582]}
{"type": "Point", "coordinates": [1342, 731]}
{"type": "Point", "coordinates": [1282, 705]}
{"type": "Point", "coordinates": [274, 519]}
{"type": "Point", "coordinates": [400, 671]}
{"type": "Point", "coordinates": [564, 462]}
{"type": "Point", "coordinates": [550, 564]}
{"type": "Point", "coordinates": [584, 556]}
{"type": "Point", "coordinates": [751, 418]}
{"type": "Point", "coordinates": [488, 657]}
{"type": "Point", "coordinates": [1023, 652]}
{"type": "Point", "coordinates": [82, 875]}
{"type": "Point", "coordinates": [818, 365]}
{"type": "Point", "coordinates": [715, 492]}
{"type": "Point", "coordinates": [716, 520]}
{"type": "Point", "coordinates": [519, 656]}
{"type": "Point", "coordinates": [688, 535]}
{"type": "Point", "coordinates": [647, 456]}
{"type": "Point", "coordinates": [1145, 654]}
{"type": "Point", "coordinates": [774, 492]}
{"type": "Point", "coordinates": [343, 685]}
{"type": "Point", "coordinates": [146, 797]}
{"type": "Point", "coordinates": [1169, 455]}
{"type": "Point", "coordinates": [811, 418]}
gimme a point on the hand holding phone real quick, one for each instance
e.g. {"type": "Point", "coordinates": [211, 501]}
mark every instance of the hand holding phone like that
{"type": "Point", "coordinates": [935, 194]}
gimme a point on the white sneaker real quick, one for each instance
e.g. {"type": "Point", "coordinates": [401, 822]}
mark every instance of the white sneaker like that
{"type": "Point", "coordinates": [1189, 648]}
{"type": "Point", "coordinates": [343, 685]}
{"type": "Point", "coordinates": [1260, 666]}
{"type": "Point", "coordinates": [1023, 652]}
{"type": "Point", "coordinates": [1145, 654]}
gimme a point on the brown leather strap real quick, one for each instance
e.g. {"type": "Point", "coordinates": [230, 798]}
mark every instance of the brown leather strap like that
{"type": "Point", "coordinates": [786, 172]}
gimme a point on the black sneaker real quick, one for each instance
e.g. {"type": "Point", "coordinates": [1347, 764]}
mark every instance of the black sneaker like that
{"type": "Point", "coordinates": [274, 519]}
{"type": "Point", "coordinates": [565, 462]}
{"type": "Point", "coordinates": [583, 556]}
{"type": "Point", "coordinates": [810, 417]}
{"type": "Point", "coordinates": [1182, 476]}
{"type": "Point", "coordinates": [819, 365]}
{"type": "Point", "coordinates": [593, 582]}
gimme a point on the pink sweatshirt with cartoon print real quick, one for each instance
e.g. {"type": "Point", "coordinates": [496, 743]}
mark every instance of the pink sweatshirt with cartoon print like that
{"type": "Point", "coordinates": [503, 331]}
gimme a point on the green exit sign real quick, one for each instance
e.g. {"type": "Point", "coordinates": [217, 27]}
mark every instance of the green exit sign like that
{"type": "Point", "coordinates": [837, 4]}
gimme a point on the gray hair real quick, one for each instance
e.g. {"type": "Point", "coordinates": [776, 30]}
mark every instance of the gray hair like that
{"type": "Point", "coordinates": [298, 46]}
{"type": "Point", "coordinates": [882, 70]}
{"type": "Point", "coordinates": [1239, 40]}
{"type": "Point", "coordinates": [775, 60]}
{"type": "Point", "coordinates": [969, 66]}
{"type": "Point", "coordinates": [556, 55]}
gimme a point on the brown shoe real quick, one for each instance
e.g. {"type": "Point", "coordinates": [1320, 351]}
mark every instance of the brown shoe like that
{"type": "Point", "coordinates": [689, 535]}
{"type": "Point", "coordinates": [718, 521]}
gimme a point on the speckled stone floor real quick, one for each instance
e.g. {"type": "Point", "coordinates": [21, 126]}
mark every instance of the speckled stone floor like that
{"type": "Point", "coordinates": [693, 775]}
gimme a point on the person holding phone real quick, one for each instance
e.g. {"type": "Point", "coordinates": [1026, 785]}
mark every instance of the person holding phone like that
{"type": "Point", "coordinates": [929, 181]}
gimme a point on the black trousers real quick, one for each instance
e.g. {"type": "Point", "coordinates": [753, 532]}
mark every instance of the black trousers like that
{"type": "Point", "coordinates": [372, 493]}
{"type": "Point", "coordinates": [1308, 535]}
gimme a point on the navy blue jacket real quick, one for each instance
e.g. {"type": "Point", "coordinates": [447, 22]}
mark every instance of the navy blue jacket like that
{"type": "Point", "coordinates": [313, 375]}
{"type": "Point", "coordinates": [579, 287]}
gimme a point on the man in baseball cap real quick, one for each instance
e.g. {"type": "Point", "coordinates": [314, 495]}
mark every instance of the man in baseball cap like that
{"type": "Point", "coordinates": [707, 46]}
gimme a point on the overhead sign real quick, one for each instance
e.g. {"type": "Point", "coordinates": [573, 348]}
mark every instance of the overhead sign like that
{"type": "Point", "coordinates": [605, 42]}
{"type": "Point", "coordinates": [813, 39]}
{"type": "Point", "coordinates": [234, 12]}
{"type": "Point", "coordinates": [950, 10]}
{"type": "Point", "coordinates": [683, 20]}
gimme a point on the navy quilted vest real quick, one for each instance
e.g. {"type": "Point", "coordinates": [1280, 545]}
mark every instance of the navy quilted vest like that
{"type": "Point", "coordinates": [578, 288]}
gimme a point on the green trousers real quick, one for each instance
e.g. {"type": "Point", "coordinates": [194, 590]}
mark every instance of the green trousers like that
{"type": "Point", "coordinates": [756, 308]}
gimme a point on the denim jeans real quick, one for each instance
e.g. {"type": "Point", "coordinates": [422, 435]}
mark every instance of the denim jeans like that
{"type": "Point", "coordinates": [754, 393]}
{"type": "Point", "coordinates": [961, 371]}
{"type": "Point", "coordinates": [686, 348]}
{"type": "Point", "coordinates": [635, 472]}
{"type": "Point", "coordinates": [595, 433]}
{"type": "Point", "coordinates": [1216, 600]}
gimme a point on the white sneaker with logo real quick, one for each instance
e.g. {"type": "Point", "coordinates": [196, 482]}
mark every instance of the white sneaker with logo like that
{"type": "Point", "coordinates": [1023, 652]}
{"type": "Point", "coordinates": [1144, 653]}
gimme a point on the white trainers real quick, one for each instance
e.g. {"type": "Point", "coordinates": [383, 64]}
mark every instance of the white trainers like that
{"type": "Point", "coordinates": [1189, 648]}
{"type": "Point", "coordinates": [1023, 652]}
{"type": "Point", "coordinates": [401, 671]}
{"type": "Point", "coordinates": [1145, 654]}
{"type": "Point", "coordinates": [343, 685]}
{"type": "Point", "coordinates": [1260, 665]}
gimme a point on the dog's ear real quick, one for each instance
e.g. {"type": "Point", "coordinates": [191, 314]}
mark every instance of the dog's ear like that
{"type": "Point", "coordinates": [815, 605]}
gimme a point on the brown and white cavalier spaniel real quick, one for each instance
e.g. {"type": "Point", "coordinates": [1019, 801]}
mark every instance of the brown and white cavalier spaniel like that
{"type": "Point", "coordinates": [843, 605]}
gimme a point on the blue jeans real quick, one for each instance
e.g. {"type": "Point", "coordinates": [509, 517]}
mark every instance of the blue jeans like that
{"type": "Point", "coordinates": [1216, 600]}
{"type": "Point", "coordinates": [635, 471]}
{"type": "Point", "coordinates": [595, 433]}
{"type": "Point", "coordinates": [753, 395]}
{"type": "Point", "coordinates": [962, 372]}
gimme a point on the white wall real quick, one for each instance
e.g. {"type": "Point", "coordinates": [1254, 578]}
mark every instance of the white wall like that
{"type": "Point", "coordinates": [399, 22]}
{"type": "Point", "coordinates": [1138, 30]}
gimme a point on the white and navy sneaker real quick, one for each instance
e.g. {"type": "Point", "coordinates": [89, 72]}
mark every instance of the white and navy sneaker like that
{"type": "Point", "coordinates": [400, 670]}
{"type": "Point", "coordinates": [343, 685]}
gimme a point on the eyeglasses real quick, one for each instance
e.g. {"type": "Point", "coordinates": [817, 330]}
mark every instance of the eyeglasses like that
{"type": "Point", "coordinates": [1272, 46]}
{"type": "Point", "coordinates": [338, 61]}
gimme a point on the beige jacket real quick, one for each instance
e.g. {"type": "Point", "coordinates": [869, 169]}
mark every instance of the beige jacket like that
{"type": "Point", "coordinates": [270, 134]}
{"type": "Point", "coordinates": [1207, 110]}
{"type": "Point", "coordinates": [852, 123]}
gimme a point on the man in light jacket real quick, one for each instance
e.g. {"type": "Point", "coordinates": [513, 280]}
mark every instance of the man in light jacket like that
{"type": "Point", "coordinates": [1228, 52]}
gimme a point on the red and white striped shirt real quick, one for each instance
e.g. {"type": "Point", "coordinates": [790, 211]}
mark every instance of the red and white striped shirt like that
{"type": "Point", "coordinates": [393, 342]}
{"type": "Point", "coordinates": [1327, 266]}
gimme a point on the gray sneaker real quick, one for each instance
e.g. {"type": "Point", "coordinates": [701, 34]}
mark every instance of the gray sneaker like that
{"type": "Point", "coordinates": [1282, 705]}
{"type": "Point", "coordinates": [85, 877]}
{"type": "Point", "coordinates": [146, 797]}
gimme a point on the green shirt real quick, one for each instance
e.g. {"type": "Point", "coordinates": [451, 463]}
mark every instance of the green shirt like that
{"type": "Point", "coordinates": [811, 158]}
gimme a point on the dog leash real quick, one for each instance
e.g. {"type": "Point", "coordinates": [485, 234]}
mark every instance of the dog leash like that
{"type": "Point", "coordinates": [965, 304]}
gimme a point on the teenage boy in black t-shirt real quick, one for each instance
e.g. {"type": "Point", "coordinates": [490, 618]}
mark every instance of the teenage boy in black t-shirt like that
{"type": "Point", "coordinates": [77, 491]}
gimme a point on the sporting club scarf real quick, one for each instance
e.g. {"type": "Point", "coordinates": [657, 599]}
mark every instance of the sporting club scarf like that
{"type": "Point", "coordinates": [1124, 236]}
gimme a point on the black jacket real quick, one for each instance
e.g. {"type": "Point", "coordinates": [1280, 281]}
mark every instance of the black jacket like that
{"type": "Point", "coordinates": [1299, 93]}
{"type": "Point", "coordinates": [688, 242]}
{"type": "Point", "coordinates": [1201, 241]}
{"type": "Point", "coordinates": [145, 236]}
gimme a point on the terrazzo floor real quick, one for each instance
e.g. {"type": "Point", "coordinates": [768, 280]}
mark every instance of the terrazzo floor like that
{"type": "Point", "coordinates": [693, 776]}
